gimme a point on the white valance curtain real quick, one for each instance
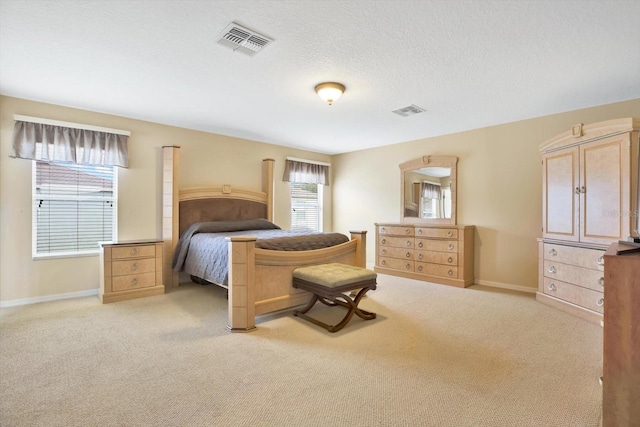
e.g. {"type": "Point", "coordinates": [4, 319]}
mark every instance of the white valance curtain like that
{"type": "Point", "coordinates": [69, 144]}
{"type": "Point", "coordinates": [431, 191]}
{"type": "Point", "coordinates": [307, 173]}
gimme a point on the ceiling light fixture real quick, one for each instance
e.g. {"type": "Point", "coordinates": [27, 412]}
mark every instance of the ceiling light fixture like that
{"type": "Point", "coordinates": [329, 91]}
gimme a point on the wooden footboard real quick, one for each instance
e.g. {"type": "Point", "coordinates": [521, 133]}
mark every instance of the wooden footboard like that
{"type": "Point", "coordinates": [260, 280]}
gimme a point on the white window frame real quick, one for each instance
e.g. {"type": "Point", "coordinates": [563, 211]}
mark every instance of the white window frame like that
{"type": "Point", "coordinates": [320, 200]}
{"type": "Point", "coordinates": [34, 212]}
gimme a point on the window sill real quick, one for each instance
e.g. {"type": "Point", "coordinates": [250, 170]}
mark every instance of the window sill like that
{"type": "Point", "coordinates": [39, 257]}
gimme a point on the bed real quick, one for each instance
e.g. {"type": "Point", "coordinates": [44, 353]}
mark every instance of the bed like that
{"type": "Point", "coordinates": [259, 279]}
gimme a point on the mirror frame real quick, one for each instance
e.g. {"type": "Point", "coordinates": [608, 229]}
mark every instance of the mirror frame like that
{"type": "Point", "coordinates": [425, 162]}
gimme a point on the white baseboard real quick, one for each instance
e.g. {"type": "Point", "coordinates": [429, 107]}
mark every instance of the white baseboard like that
{"type": "Point", "coordinates": [518, 288]}
{"type": "Point", "coordinates": [35, 300]}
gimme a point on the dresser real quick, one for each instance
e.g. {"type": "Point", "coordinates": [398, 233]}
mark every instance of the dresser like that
{"type": "Point", "coordinates": [430, 252]}
{"type": "Point", "coordinates": [131, 269]}
{"type": "Point", "coordinates": [589, 200]}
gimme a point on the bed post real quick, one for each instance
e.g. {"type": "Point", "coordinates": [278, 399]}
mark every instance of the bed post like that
{"type": "Point", "coordinates": [361, 255]}
{"type": "Point", "coordinates": [268, 185]}
{"type": "Point", "coordinates": [170, 181]}
{"type": "Point", "coordinates": [242, 305]}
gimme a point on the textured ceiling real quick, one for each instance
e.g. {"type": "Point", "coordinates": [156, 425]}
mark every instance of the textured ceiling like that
{"type": "Point", "coordinates": [470, 64]}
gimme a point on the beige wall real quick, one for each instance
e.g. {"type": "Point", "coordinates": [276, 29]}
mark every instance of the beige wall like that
{"type": "Point", "coordinates": [499, 188]}
{"type": "Point", "coordinates": [206, 159]}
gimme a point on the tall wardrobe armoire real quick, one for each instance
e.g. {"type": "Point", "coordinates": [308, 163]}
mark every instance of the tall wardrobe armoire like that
{"type": "Point", "coordinates": [589, 200]}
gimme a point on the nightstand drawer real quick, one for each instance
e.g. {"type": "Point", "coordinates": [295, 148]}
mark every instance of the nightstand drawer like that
{"type": "Point", "coordinates": [135, 251]}
{"type": "Point", "coordinates": [133, 281]}
{"type": "Point", "coordinates": [134, 266]}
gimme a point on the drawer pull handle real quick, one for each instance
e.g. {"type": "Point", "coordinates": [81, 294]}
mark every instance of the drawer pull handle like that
{"type": "Point", "coordinates": [600, 302]}
{"type": "Point", "coordinates": [552, 269]}
{"type": "Point", "coordinates": [450, 272]}
{"type": "Point", "coordinates": [552, 287]}
{"type": "Point", "coordinates": [553, 252]}
{"type": "Point", "coordinates": [134, 266]}
{"type": "Point", "coordinates": [407, 231]}
{"type": "Point", "coordinates": [601, 260]}
{"type": "Point", "coordinates": [408, 266]}
{"type": "Point", "coordinates": [384, 252]}
{"type": "Point", "coordinates": [450, 246]}
{"type": "Point", "coordinates": [134, 251]}
{"type": "Point", "coordinates": [383, 262]}
{"type": "Point", "coordinates": [450, 260]}
{"type": "Point", "coordinates": [601, 281]}
{"type": "Point", "coordinates": [420, 257]}
{"type": "Point", "coordinates": [449, 233]}
{"type": "Point", "coordinates": [408, 243]}
{"type": "Point", "coordinates": [420, 268]}
{"type": "Point", "coordinates": [384, 241]}
{"type": "Point", "coordinates": [420, 245]}
{"type": "Point", "coordinates": [419, 230]}
{"type": "Point", "coordinates": [408, 255]}
{"type": "Point", "coordinates": [383, 230]}
{"type": "Point", "coordinates": [134, 282]}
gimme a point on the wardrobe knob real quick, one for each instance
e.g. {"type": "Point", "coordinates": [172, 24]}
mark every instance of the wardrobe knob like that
{"type": "Point", "coordinates": [600, 302]}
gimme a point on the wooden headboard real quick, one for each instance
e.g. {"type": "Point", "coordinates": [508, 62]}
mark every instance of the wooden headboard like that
{"type": "Point", "coordinates": [219, 204]}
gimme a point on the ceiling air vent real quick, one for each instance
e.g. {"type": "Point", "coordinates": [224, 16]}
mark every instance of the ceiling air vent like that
{"type": "Point", "coordinates": [242, 39]}
{"type": "Point", "coordinates": [409, 111]}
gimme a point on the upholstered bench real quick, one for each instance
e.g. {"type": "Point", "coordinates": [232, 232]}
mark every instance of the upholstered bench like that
{"type": "Point", "coordinates": [329, 284]}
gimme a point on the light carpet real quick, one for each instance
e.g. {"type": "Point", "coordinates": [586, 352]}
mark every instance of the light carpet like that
{"type": "Point", "coordinates": [435, 356]}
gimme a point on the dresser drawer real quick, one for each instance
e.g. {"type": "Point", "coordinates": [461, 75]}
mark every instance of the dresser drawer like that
{"type": "Point", "coordinates": [135, 251]}
{"type": "Point", "coordinates": [396, 242]}
{"type": "Point", "coordinates": [395, 230]}
{"type": "Point", "coordinates": [437, 257]}
{"type": "Point", "coordinates": [392, 252]}
{"type": "Point", "coordinates": [134, 266]}
{"type": "Point", "coordinates": [437, 233]}
{"type": "Point", "coordinates": [585, 277]}
{"type": "Point", "coordinates": [578, 295]}
{"type": "Point", "coordinates": [437, 245]}
{"type": "Point", "coordinates": [580, 257]}
{"type": "Point", "coordinates": [396, 264]}
{"type": "Point", "coordinates": [133, 281]}
{"type": "Point", "coordinates": [437, 270]}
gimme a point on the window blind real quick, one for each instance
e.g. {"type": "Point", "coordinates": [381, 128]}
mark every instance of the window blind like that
{"type": "Point", "coordinates": [74, 207]}
{"type": "Point", "coordinates": [306, 206]}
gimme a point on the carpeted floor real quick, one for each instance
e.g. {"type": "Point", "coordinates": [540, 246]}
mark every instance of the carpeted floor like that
{"type": "Point", "coordinates": [435, 356]}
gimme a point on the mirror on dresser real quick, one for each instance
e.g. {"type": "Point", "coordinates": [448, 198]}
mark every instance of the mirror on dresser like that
{"type": "Point", "coordinates": [428, 186]}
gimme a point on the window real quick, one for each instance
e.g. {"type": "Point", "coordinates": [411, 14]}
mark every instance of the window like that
{"type": "Point", "coordinates": [74, 208]}
{"type": "Point", "coordinates": [306, 206]}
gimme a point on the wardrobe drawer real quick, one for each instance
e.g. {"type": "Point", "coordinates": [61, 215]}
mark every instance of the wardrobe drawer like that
{"type": "Point", "coordinates": [136, 251]}
{"type": "Point", "coordinates": [437, 233]}
{"type": "Point", "coordinates": [580, 257]}
{"type": "Point", "coordinates": [396, 264]}
{"type": "Point", "coordinates": [437, 245]}
{"type": "Point", "coordinates": [391, 252]}
{"type": "Point", "coordinates": [437, 257]}
{"type": "Point", "coordinates": [437, 270]}
{"type": "Point", "coordinates": [395, 230]}
{"type": "Point", "coordinates": [585, 277]}
{"type": "Point", "coordinates": [133, 281]}
{"type": "Point", "coordinates": [396, 242]}
{"type": "Point", "coordinates": [578, 295]}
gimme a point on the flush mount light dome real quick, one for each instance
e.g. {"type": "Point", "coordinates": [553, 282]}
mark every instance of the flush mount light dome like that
{"type": "Point", "coordinates": [329, 91]}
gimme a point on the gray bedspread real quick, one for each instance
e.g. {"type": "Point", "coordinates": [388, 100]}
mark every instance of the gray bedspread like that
{"type": "Point", "coordinates": [204, 254]}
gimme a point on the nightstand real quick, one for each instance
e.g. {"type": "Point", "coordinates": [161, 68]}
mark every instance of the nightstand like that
{"type": "Point", "coordinates": [130, 269]}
